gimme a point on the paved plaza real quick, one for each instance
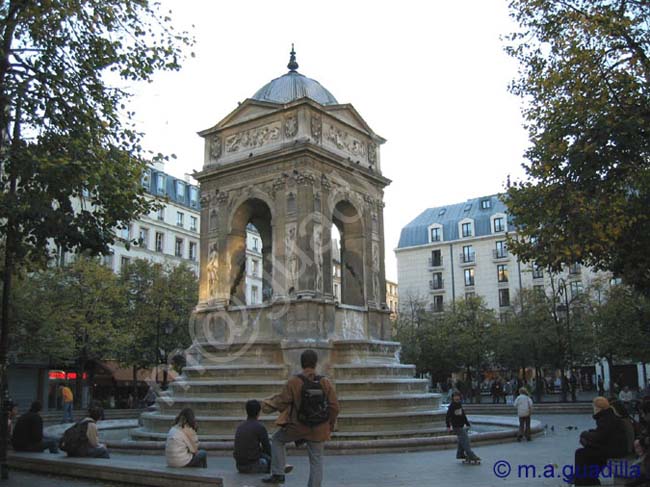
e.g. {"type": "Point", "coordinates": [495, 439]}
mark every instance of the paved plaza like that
{"type": "Point", "coordinates": [439, 467]}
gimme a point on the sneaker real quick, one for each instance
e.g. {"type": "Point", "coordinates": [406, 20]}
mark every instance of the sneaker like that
{"type": "Point", "coordinates": [288, 468]}
{"type": "Point", "coordinates": [274, 479]}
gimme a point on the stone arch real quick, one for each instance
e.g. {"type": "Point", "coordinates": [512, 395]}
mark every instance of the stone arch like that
{"type": "Point", "coordinates": [349, 222]}
{"type": "Point", "coordinates": [257, 212]}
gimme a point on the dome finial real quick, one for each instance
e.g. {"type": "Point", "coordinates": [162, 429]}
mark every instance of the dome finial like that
{"type": "Point", "coordinates": [293, 65]}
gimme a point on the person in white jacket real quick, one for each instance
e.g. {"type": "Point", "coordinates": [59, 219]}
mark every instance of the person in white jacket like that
{"type": "Point", "coordinates": [524, 405]}
{"type": "Point", "coordinates": [182, 446]}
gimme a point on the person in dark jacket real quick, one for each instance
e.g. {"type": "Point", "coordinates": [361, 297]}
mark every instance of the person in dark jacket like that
{"type": "Point", "coordinates": [252, 447]}
{"type": "Point", "coordinates": [28, 432]}
{"type": "Point", "coordinates": [608, 440]}
{"type": "Point", "coordinates": [457, 420]}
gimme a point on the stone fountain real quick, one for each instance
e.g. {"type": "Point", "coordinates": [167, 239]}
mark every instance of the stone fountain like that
{"type": "Point", "coordinates": [294, 162]}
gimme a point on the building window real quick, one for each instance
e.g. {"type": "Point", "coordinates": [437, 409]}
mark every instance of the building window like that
{"type": "Point", "coordinates": [160, 183]}
{"type": "Point", "coordinates": [256, 268]}
{"type": "Point", "coordinates": [466, 229]}
{"type": "Point", "coordinates": [161, 214]}
{"type": "Point", "coordinates": [146, 179]}
{"type": "Point", "coordinates": [442, 211]}
{"type": "Point", "coordinates": [124, 263]}
{"type": "Point", "coordinates": [180, 218]}
{"type": "Point", "coordinates": [160, 242]}
{"type": "Point", "coordinates": [143, 238]}
{"type": "Point", "coordinates": [468, 254]}
{"type": "Point", "coordinates": [436, 234]}
{"type": "Point", "coordinates": [469, 277]}
{"type": "Point", "coordinates": [502, 273]}
{"type": "Point", "coordinates": [180, 190]}
{"type": "Point", "coordinates": [485, 204]}
{"type": "Point", "coordinates": [576, 289]}
{"type": "Point", "coordinates": [336, 290]}
{"type": "Point", "coordinates": [504, 297]}
{"type": "Point", "coordinates": [255, 291]}
{"type": "Point", "coordinates": [437, 306]}
{"type": "Point", "coordinates": [498, 224]}
{"type": "Point", "coordinates": [193, 223]}
{"type": "Point", "coordinates": [470, 295]}
{"type": "Point", "coordinates": [178, 247]}
{"type": "Point", "coordinates": [574, 269]}
{"type": "Point", "coordinates": [256, 246]}
{"type": "Point", "coordinates": [436, 258]}
{"type": "Point", "coordinates": [192, 255]}
{"type": "Point", "coordinates": [538, 272]}
{"type": "Point", "coordinates": [436, 282]}
{"type": "Point", "coordinates": [125, 232]}
{"type": "Point", "coordinates": [500, 250]}
{"type": "Point", "coordinates": [107, 260]}
{"type": "Point", "coordinates": [539, 288]}
{"type": "Point", "coordinates": [194, 196]}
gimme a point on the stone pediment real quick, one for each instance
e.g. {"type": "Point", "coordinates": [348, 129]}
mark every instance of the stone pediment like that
{"type": "Point", "coordinates": [246, 111]}
{"type": "Point", "coordinates": [348, 114]}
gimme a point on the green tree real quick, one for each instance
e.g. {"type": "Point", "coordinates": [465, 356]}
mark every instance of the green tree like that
{"type": "Point", "coordinates": [159, 300]}
{"type": "Point", "coordinates": [620, 325]}
{"type": "Point", "coordinates": [65, 129]}
{"type": "Point", "coordinates": [470, 325]}
{"type": "Point", "coordinates": [585, 81]}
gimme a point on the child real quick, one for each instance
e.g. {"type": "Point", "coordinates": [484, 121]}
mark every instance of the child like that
{"type": "Point", "coordinates": [457, 421]}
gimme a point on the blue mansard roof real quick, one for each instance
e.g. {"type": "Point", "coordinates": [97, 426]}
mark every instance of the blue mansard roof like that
{"type": "Point", "coordinates": [159, 183]}
{"type": "Point", "coordinates": [416, 232]}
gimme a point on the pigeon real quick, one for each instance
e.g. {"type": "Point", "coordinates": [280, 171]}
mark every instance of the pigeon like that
{"type": "Point", "coordinates": [552, 428]}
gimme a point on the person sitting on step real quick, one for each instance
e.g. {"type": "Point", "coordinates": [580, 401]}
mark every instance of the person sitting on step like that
{"type": "Point", "coordinates": [182, 445]}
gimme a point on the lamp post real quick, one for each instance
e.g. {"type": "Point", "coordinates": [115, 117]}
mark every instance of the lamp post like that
{"type": "Point", "coordinates": [563, 308]}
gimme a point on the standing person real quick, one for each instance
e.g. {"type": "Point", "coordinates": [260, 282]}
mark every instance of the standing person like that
{"type": "Point", "coordinates": [524, 405]}
{"type": "Point", "coordinates": [28, 432]}
{"type": "Point", "coordinates": [507, 389]}
{"type": "Point", "coordinates": [68, 400]}
{"type": "Point", "coordinates": [573, 385]}
{"type": "Point", "coordinates": [308, 410]}
{"type": "Point", "coordinates": [182, 445]}
{"type": "Point", "coordinates": [456, 421]}
{"type": "Point", "coordinates": [601, 386]}
{"type": "Point", "coordinates": [564, 388]}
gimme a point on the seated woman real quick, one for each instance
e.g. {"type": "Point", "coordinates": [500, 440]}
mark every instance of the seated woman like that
{"type": "Point", "coordinates": [607, 441]}
{"type": "Point", "coordinates": [182, 447]}
{"type": "Point", "coordinates": [627, 422]}
{"type": "Point", "coordinates": [28, 432]}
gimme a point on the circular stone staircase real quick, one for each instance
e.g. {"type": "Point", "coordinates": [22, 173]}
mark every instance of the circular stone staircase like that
{"type": "Point", "coordinates": [380, 399]}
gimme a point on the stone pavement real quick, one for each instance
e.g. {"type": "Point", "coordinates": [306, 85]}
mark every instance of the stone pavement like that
{"type": "Point", "coordinates": [434, 468]}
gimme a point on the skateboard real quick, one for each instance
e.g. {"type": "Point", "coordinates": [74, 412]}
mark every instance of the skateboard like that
{"type": "Point", "coordinates": [468, 461]}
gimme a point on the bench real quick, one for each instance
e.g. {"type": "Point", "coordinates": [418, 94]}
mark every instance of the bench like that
{"type": "Point", "coordinates": [152, 472]}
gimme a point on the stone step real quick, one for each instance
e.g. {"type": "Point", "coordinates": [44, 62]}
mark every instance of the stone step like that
{"type": "Point", "coordinates": [365, 352]}
{"type": "Point", "coordinates": [235, 371]}
{"type": "Point", "coordinates": [260, 352]}
{"type": "Point", "coordinates": [264, 388]}
{"type": "Point", "coordinates": [381, 385]}
{"type": "Point", "coordinates": [219, 406]}
{"type": "Point", "coordinates": [359, 422]}
{"type": "Point", "coordinates": [359, 371]}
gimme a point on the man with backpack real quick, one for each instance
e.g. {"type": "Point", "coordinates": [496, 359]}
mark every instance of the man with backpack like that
{"type": "Point", "coordinates": [82, 439]}
{"type": "Point", "coordinates": [308, 410]}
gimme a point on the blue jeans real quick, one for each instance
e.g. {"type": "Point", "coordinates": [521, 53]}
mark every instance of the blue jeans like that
{"type": "Point", "coordinates": [279, 454]}
{"type": "Point", "coordinates": [464, 448]}
{"type": "Point", "coordinates": [199, 459]}
{"type": "Point", "coordinates": [67, 412]}
{"type": "Point", "coordinates": [99, 452]}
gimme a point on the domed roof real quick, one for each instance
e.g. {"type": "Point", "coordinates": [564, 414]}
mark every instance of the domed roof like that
{"type": "Point", "coordinates": [293, 86]}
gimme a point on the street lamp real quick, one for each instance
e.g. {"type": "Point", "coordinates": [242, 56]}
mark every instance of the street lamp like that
{"type": "Point", "coordinates": [563, 309]}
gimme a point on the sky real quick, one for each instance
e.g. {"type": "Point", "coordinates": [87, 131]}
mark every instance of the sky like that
{"type": "Point", "coordinates": [431, 77]}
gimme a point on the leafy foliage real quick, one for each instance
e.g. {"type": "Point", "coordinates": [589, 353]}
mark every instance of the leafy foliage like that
{"type": "Point", "coordinates": [585, 80]}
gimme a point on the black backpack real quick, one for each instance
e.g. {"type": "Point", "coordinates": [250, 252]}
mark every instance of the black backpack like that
{"type": "Point", "coordinates": [314, 408]}
{"type": "Point", "coordinates": [75, 438]}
